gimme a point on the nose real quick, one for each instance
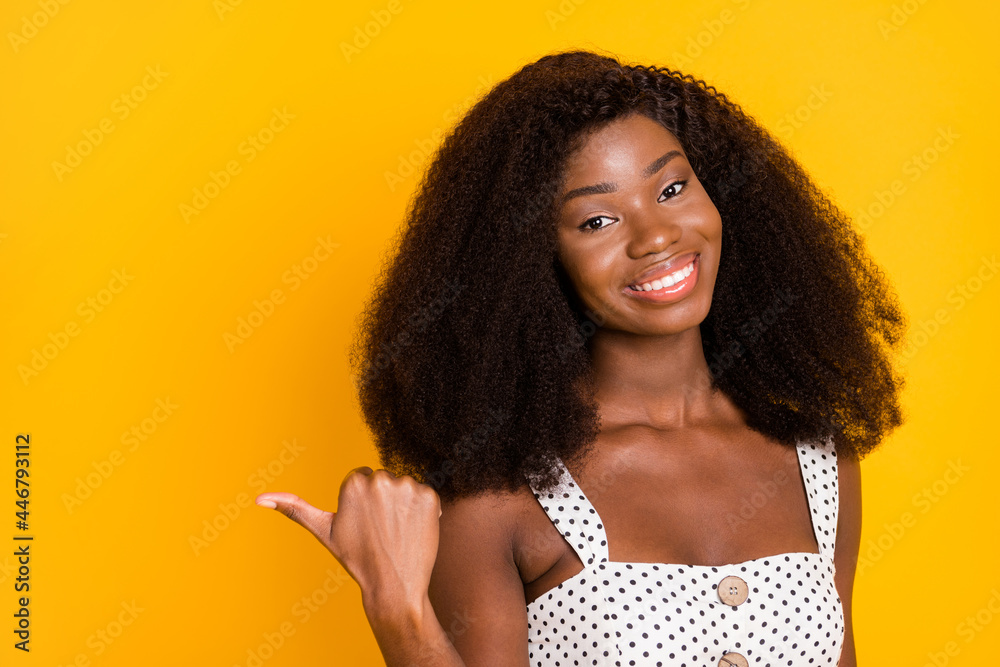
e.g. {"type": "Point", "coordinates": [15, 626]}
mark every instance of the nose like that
{"type": "Point", "coordinates": [652, 231]}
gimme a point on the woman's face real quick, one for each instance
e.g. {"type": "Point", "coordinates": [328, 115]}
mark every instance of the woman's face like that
{"type": "Point", "coordinates": [638, 235]}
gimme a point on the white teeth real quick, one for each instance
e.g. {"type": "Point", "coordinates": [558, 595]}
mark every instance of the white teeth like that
{"type": "Point", "coordinates": [666, 281]}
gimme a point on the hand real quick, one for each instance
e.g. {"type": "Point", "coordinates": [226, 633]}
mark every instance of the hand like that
{"type": "Point", "coordinates": [384, 533]}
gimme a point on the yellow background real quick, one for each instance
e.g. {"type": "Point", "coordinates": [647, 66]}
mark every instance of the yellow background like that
{"type": "Point", "coordinates": [855, 89]}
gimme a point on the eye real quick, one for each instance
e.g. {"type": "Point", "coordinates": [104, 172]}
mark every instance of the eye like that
{"type": "Point", "coordinates": [588, 225]}
{"type": "Point", "coordinates": [674, 189]}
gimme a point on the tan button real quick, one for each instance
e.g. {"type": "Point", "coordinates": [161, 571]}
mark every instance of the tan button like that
{"type": "Point", "coordinates": [733, 660]}
{"type": "Point", "coordinates": [733, 591]}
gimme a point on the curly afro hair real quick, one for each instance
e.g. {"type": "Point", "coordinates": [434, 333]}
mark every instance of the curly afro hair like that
{"type": "Point", "coordinates": [470, 382]}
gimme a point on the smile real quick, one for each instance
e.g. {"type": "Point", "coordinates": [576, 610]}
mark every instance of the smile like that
{"type": "Point", "coordinates": [669, 288]}
{"type": "Point", "coordinates": [666, 281]}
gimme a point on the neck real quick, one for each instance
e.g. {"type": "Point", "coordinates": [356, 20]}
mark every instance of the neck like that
{"type": "Point", "coordinates": [661, 381]}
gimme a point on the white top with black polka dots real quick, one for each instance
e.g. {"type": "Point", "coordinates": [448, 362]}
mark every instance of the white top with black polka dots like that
{"type": "Point", "coordinates": [617, 614]}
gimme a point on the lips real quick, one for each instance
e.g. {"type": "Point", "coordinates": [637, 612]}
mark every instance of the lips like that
{"type": "Point", "coordinates": [664, 290]}
{"type": "Point", "coordinates": [662, 269]}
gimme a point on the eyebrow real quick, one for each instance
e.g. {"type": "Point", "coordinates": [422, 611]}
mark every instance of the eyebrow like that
{"type": "Point", "coordinates": [604, 188]}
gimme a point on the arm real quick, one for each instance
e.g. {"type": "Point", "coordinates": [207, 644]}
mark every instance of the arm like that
{"type": "Point", "coordinates": [845, 555]}
{"type": "Point", "coordinates": [476, 588]}
{"type": "Point", "coordinates": [410, 635]}
{"type": "Point", "coordinates": [405, 549]}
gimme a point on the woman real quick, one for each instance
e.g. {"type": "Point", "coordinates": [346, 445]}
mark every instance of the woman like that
{"type": "Point", "coordinates": [621, 371]}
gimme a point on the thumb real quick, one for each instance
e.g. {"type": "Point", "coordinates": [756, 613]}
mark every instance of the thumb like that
{"type": "Point", "coordinates": [316, 521]}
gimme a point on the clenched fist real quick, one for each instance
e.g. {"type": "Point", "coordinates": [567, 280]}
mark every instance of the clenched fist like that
{"type": "Point", "coordinates": [384, 533]}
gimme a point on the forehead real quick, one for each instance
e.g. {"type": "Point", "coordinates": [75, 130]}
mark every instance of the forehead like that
{"type": "Point", "coordinates": [619, 146]}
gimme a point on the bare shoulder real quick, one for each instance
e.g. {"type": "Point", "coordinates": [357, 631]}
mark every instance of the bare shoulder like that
{"type": "Point", "coordinates": [491, 519]}
{"type": "Point", "coordinates": [492, 508]}
{"type": "Point", "coordinates": [476, 588]}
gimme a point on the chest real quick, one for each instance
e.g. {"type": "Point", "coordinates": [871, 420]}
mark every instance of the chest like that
{"type": "Point", "coordinates": [774, 610]}
{"type": "Point", "coordinates": [697, 500]}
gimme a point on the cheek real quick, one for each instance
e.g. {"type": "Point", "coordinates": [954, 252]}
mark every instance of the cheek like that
{"type": "Point", "coordinates": [586, 272]}
{"type": "Point", "coordinates": [712, 221]}
{"type": "Point", "coordinates": [594, 271]}
{"type": "Point", "coordinates": [583, 280]}
{"type": "Point", "coordinates": [707, 210]}
{"type": "Point", "coordinates": [717, 227]}
{"type": "Point", "coordinates": [570, 263]}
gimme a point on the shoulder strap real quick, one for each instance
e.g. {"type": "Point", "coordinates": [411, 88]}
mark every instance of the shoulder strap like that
{"type": "Point", "coordinates": [573, 515]}
{"type": "Point", "coordinates": [818, 463]}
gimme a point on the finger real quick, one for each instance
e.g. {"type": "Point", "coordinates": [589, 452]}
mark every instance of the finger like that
{"type": "Point", "coordinates": [313, 519]}
{"type": "Point", "coordinates": [368, 471]}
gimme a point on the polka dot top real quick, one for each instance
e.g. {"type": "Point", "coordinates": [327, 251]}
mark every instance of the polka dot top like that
{"type": "Point", "coordinates": [775, 610]}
